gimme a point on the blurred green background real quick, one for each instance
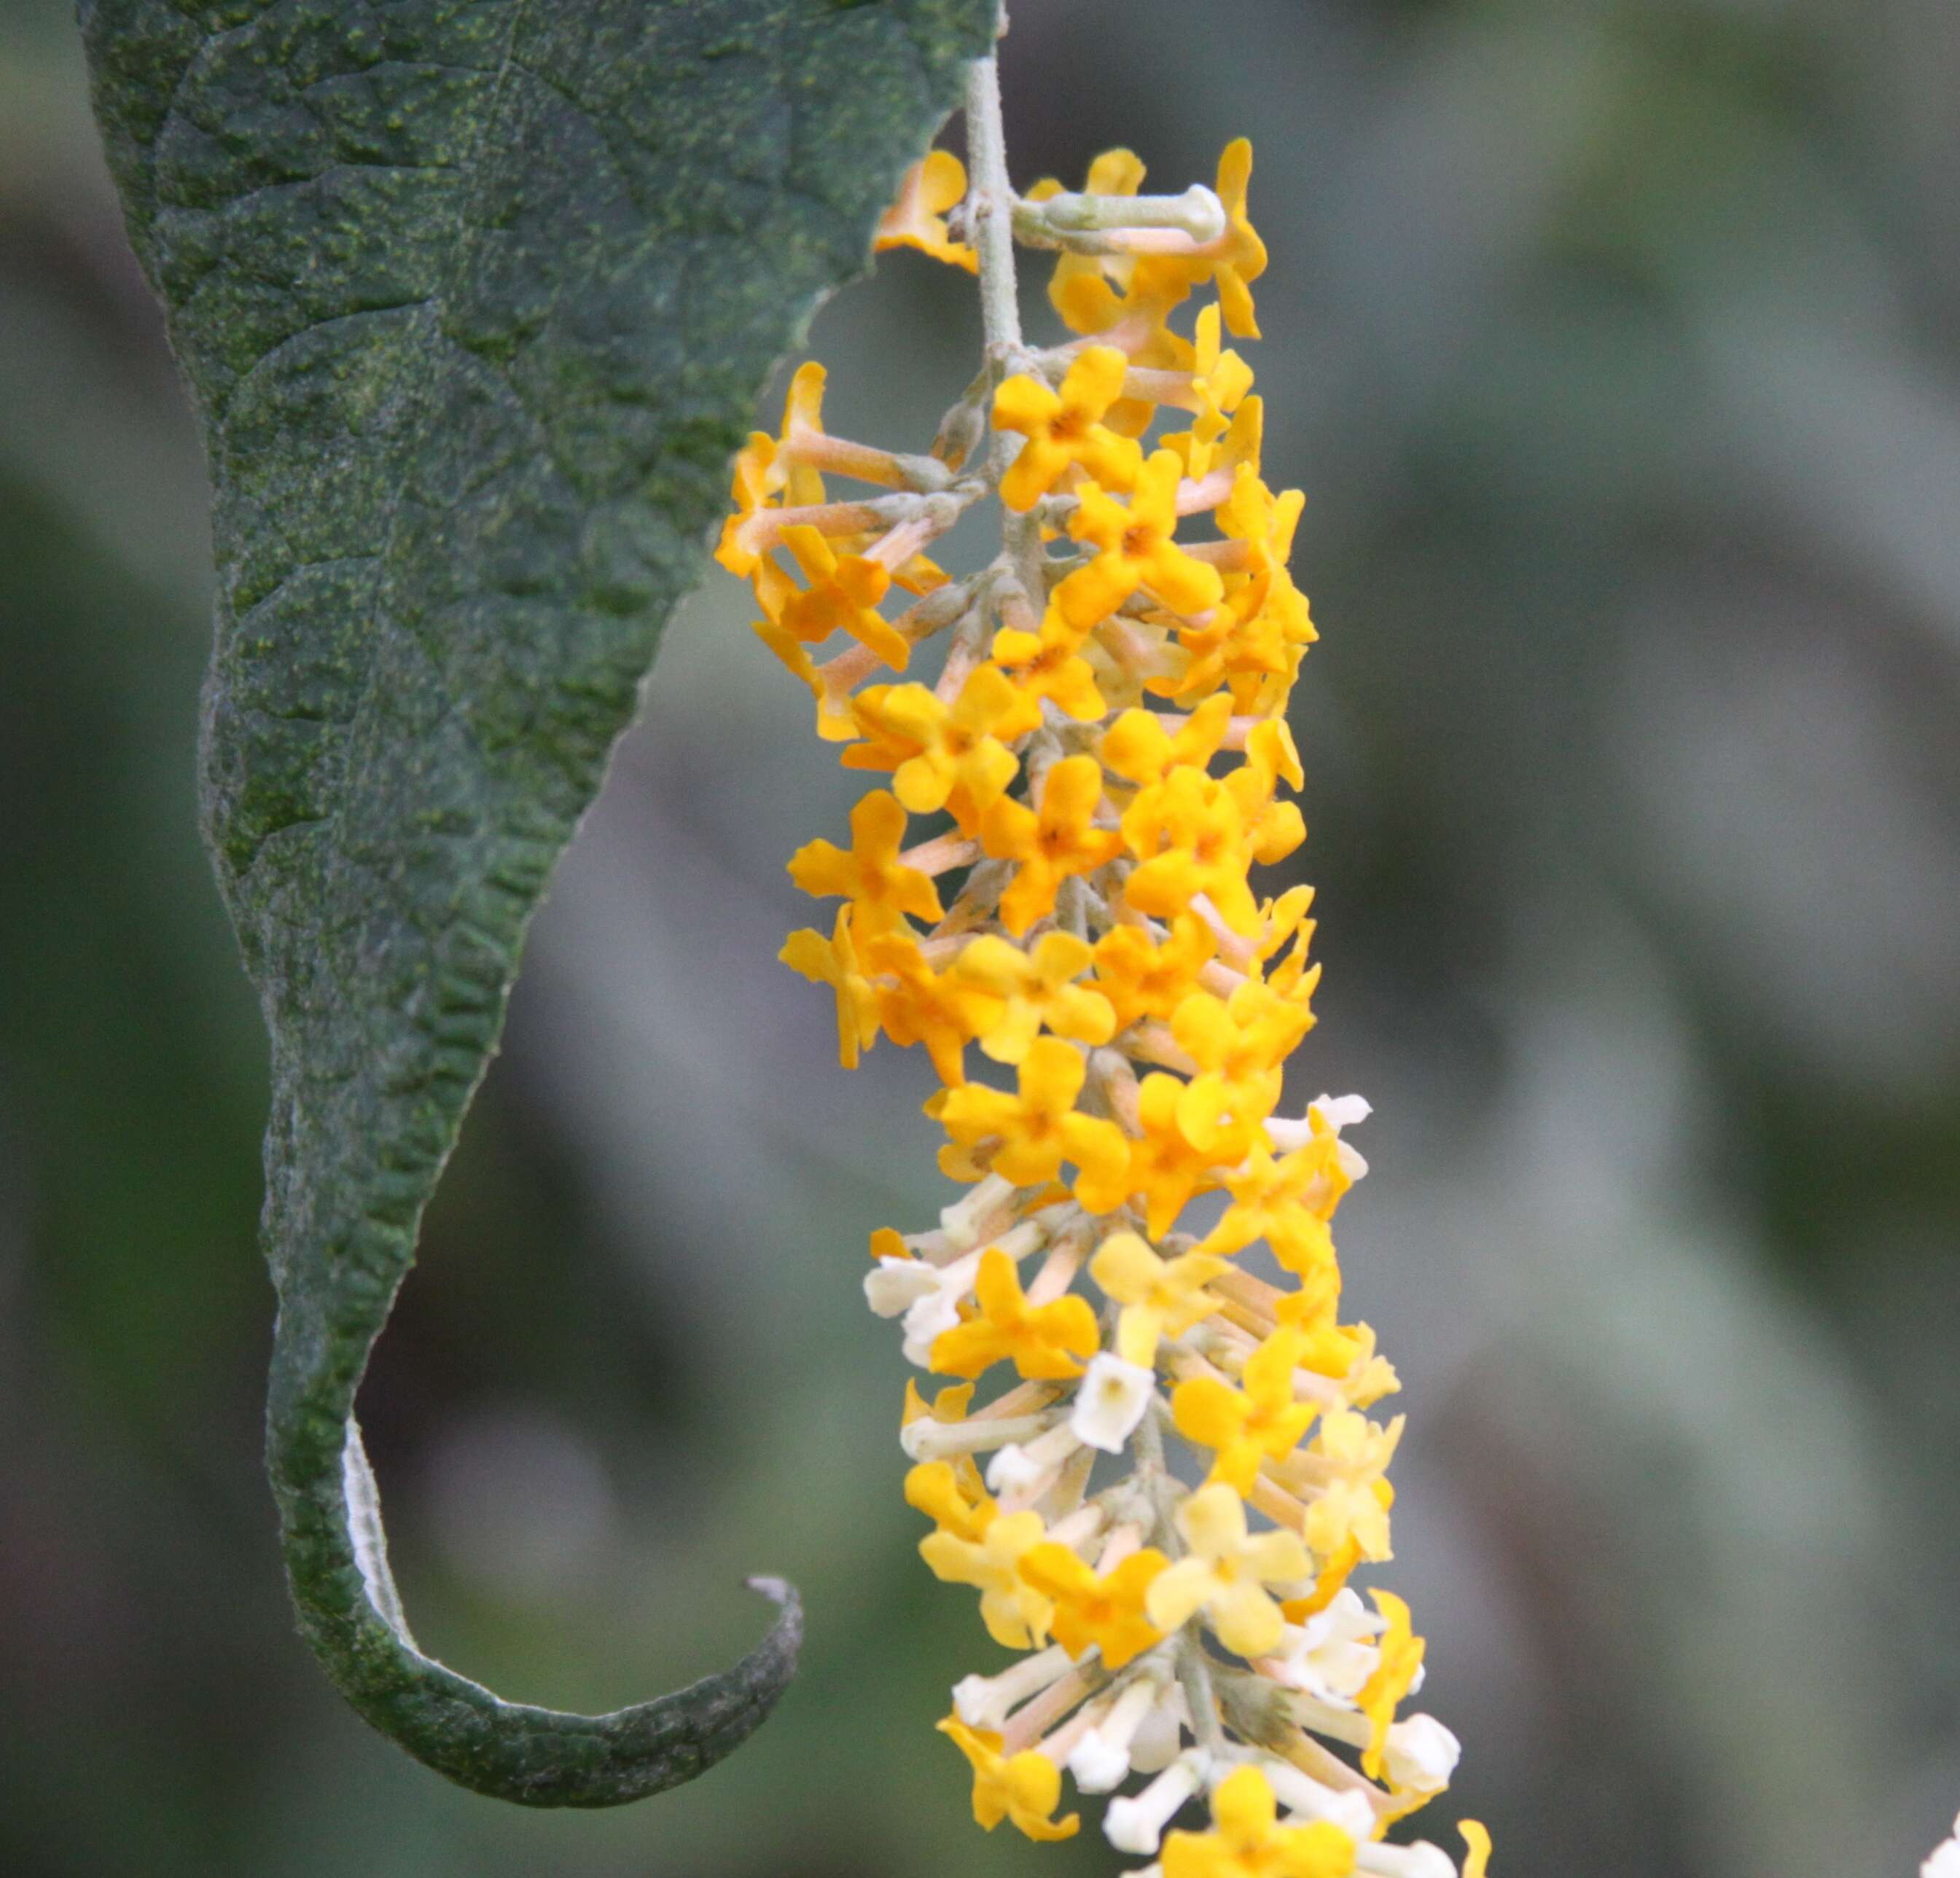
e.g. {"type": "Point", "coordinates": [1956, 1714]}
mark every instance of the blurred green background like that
{"type": "Point", "coordinates": [1617, 344]}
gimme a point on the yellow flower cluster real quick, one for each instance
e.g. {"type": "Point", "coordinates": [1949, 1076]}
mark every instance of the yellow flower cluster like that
{"type": "Point", "coordinates": [1099, 763]}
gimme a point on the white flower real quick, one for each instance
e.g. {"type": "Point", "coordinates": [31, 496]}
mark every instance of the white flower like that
{"type": "Point", "coordinates": [1351, 1813]}
{"type": "Point", "coordinates": [1110, 1402]}
{"type": "Point", "coordinates": [893, 1285]}
{"type": "Point", "coordinates": [1100, 1761]}
{"type": "Point", "coordinates": [1945, 1861]}
{"type": "Point", "coordinates": [1015, 1470]}
{"type": "Point", "coordinates": [928, 1295]}
{"type": "Point", "coordinates": [1423, 1754]}
{"type": "Point", "coordinates": [1333, 1112]}
{"type": "Point", "coordinates": [984, 1702]}
{"type": "Point", "coordinates": [1135, 1823]}
{"type": "Point", "coordinates": [1333, 1653]}
{"type": "Point", "coordinates": [1341, 1111]}
{"type": "Point", "coordinates": [1306, 1798]}
{"type": "Point", "coordinates": [1097, 1764]}
{"type": "Point", "coordinates": [1421, 1860]}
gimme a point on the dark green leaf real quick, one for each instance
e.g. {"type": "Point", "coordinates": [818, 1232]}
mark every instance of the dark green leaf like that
{"type": "Point", "coordinates": [476, 296]}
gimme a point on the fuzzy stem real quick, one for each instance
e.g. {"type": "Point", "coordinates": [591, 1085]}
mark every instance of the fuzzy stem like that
{"type": "Point", "coordinates": [990, 217]}
{"type": "Point", "coordinates": [990, 221]}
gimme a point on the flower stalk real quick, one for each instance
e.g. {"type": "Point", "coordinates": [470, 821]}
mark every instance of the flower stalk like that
{"type": "Point", "coordinates": [1100, 766]}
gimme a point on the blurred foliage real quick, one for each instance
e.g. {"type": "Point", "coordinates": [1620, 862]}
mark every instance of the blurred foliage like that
{"type": "Point", "coordinates": [1617, 344]}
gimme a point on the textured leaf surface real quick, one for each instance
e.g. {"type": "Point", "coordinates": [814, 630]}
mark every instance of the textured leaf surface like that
{"type": "Point", "coordinates": [476, 296]}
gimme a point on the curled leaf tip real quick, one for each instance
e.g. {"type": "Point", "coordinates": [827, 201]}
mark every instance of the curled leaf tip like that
{"type": "Point", "coordinates": [337, 1562]}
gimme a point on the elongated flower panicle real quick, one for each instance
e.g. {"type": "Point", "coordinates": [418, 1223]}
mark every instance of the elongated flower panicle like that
{"type": "Point", "coordinates": [1100, 766]}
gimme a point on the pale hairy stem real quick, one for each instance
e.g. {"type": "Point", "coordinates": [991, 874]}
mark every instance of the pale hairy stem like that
{"type": "Point", "coordinates": [763, 529]}
{"type": "Point", "coordinates": [1195, 1675]}
{"type": "Point", "coordinates": [1123, 1541]}
{"type": "Point", "coordinates": [941, 854]}
{"type": "Point", "coordinates": [917, 532]}
{"type": "Point", "coordinates": [990, 221]}
{"type": "Point", "coordinates": [1247, 1290]}
{"type": "Point", "coordinates": [1206, 492]}
{"type": "Point", "coordinates": [842, 673]}
{"type": "Point", "coordinates": [1323, 1764]}
{"type": "Point", "coordinates": [1159, 384]}
{"type": "Point", "coordinates": [1152, 1042]}
{"type": "Point", "coordinates": [1236, 947]}
{"type": "Point", "coordinates": [839, 456]}
{"type": "Point", "coordinates": [1028, 1725]}
{"type": "Point", "coordinates": [1112, 241]}
{"type": "Point", "coordinates": [1236, 730]}
{"type": "Point", "coordinates": [1279, 1506]}
{"type": "Point", "coordinates": [1229, 556]}
{"type": "Point", "coordinates": [943, 1439]}
{"type": "Point", "coordinates": [1058, 1273]}
{"type": "Point", "coordinates": [1026, 1398]}
{"type": "Point", "coordinates": [1197, 215]}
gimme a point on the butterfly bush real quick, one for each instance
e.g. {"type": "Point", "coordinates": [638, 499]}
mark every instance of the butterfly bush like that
{"type": "Point", "coordinates": [1160, 1471]}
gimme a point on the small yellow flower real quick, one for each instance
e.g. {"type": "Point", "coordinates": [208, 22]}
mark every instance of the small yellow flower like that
{"type": "Point", "coordinates": [1286, 921]}
{"type": "Point", "coordinates": [775, 591]}
{"type": "Point", "coordinates": [1135, 549]}
{"type": "Point", "coordinates": [757, 482]}
{"type": "Point", "coordinates": [1105, 1611]}
{"type": "Point", "coordinates": [933, 1489]}
{"type": "Point", "coordinates": [1272, 757]}
{"type": "Point", "coordinates": [834, 962]}
{"type": "Point", "coordinates": [1265, 524]}
{"type": "Point", "coordinates": [916, 1005]}
{"type": "Point", "coordinates": [1064, 429]}
{"type": "Point", "coordinates": [843, 595]}
{"type": "Point", "coordinates": [1253, 643]}
{"type": "Point", "coordinates": [949, 1404]}
{"type": "Point", "coordinates": [1189, 833]}
{"type": "Point", "coordinates": [1166, 1169]}
{"type": "Point", "coordinates": [1354, 1505]}
{"type": "Point", "coordinates": [1080, 289]}
{"type": "Point", "coordinates": [1273, 829]}
{"type": "Point", "coordinates": [1039, 1127]}
{"type": "Point", "coordinates": [943, 757]}
{"type": "Point", "coordinates": [1025, 1789]}
{"type": "Point", "coordinates": [1037, 987]}
{"type": "Point", "coordinates": [1141, 750]}
{"type": "Point", "coordinates": [1220, 380]}
{"type": "Point", "coordinates": [1226, 1574]}
{"type": "Point", "coordinates": [1402, 1657]}
{"type": "Point", "coordinates": [1044, 1342]}
{"type": "Point", "coordinates": [1142, 979]}
{"type": "Point", "coordinates": [1015, 1613]}
{"type": "Point", "coordinates": [1239, 1045]}
{"type": "Point", "coordinates": [917, 218]}
{"type": "Point", "coordinates": [1160, 1297]}
{"type": "Point", "coordinates": [869, 874]}
{"type": "Point", "coordinates": [1049, 844]}
{"type": "Point", "coordinates": [1333, 1580]}
{"type": "Point", "coordinates": [803, 427]}
{"type": "Point", "coordinates": [1262, 1421]}
{"type": "Point", "coordinates": [1048, 664]}
{"type": "Point", "coordinates": [1287, 1202]}
{"type": "Point", "coordinates": [768, 468]}
{"type": "Point", "coordinates": [976, 1544]}
{"type": "Point", "coordinates": [1248, 1843]}
{"type": "Point", "coordinates": [1238, 257]}
{"type": "Point", "coordinates": [1243, 441]}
